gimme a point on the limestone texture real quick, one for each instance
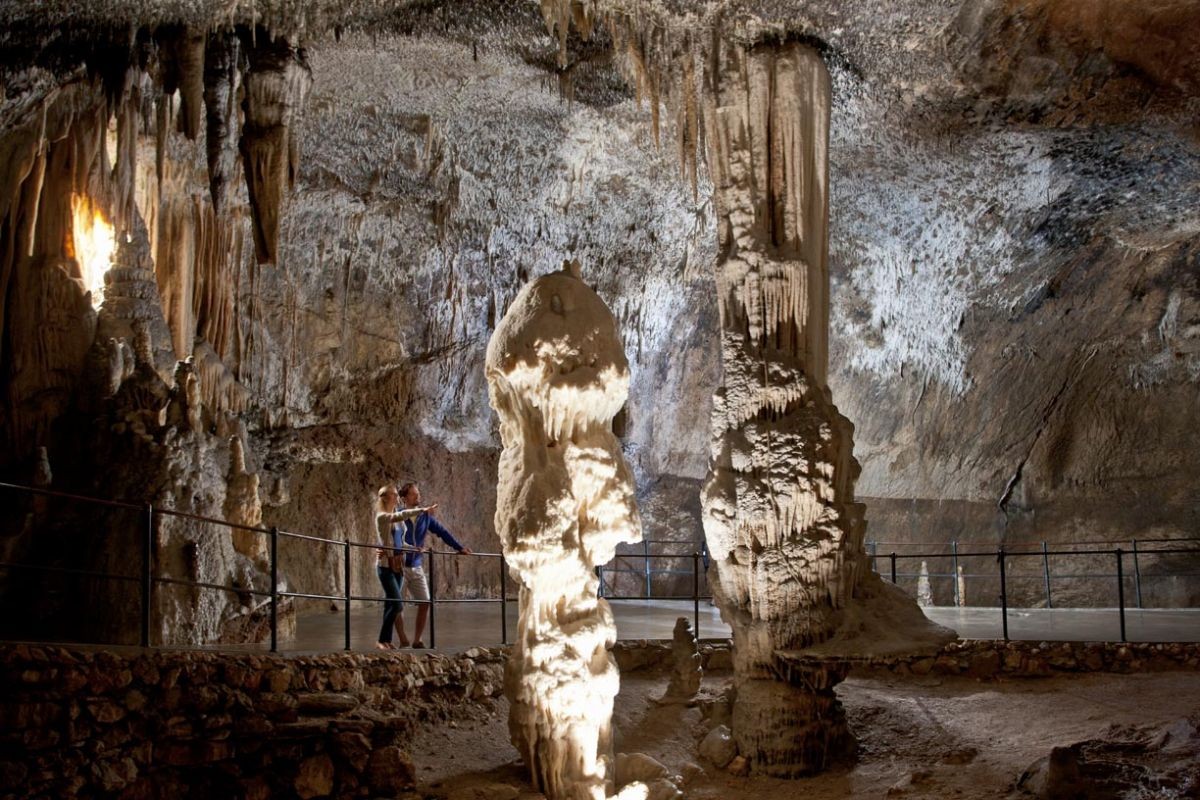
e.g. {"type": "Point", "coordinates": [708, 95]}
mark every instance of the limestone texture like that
{"type": "Point", "coordinates": [1012, 258]}
{"type": "Point", "coordinates": [557, 375]}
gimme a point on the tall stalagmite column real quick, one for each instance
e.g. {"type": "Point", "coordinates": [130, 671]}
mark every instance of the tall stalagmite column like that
{"type": "Point", "coordinates": [557, 375]}
{"type": "Point", "coordinates": [779, 514]}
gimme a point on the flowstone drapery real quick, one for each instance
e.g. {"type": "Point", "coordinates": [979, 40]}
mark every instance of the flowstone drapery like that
{"type": "Point", "coordinates": [557, 375]}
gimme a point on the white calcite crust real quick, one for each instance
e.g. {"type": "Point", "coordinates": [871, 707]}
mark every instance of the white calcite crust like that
{"type": "Point", "coordinates": [557, 375]}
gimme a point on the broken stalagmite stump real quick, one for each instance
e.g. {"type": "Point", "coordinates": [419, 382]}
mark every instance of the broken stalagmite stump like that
{"type": "Point", "coordinates": [686, 671]}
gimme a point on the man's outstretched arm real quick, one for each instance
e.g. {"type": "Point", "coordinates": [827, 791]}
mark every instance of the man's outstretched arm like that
{"type": "Point", "coordinates": [437, 528]}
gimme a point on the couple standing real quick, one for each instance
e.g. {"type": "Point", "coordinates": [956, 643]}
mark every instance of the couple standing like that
{"type": "Point", "coordinates": [403, 525]}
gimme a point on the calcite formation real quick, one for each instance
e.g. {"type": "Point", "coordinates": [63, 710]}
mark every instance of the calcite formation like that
{"type": "Point", "coordinates": [243, 506]}
{"type": "Point", "coordinates": [779, 514]}
{"type": "Point", "coordinates": [275, 87]}
{"type": "Point", "coordinates": [686, 670]}
{"type": "Point", "coordinates": [557, 375]}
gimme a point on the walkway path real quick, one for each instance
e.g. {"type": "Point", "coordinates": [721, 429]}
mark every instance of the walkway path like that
{"type": "Point", "coordinates": [463, 625]}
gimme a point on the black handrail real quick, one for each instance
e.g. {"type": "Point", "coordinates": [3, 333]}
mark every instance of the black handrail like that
{"type": "Point", "coordinates": [149, 580]}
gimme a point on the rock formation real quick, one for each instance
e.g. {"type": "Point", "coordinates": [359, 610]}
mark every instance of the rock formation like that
{"type": "Point", "coordinates": [275, 88]}
{"type": "Point", "coordinates": [557, 375]}
{"type": "Point", "coordinates": [243, 505]}
{"type": "Point", "coordinates": [779, 514]}
{"type": "Point", "coordinates": [783, 528]}
{"type": "Point", "coordinates": [686, 670]}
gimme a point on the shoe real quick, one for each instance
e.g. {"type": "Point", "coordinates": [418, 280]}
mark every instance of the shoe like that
{"type": "Point", "coordinates": [418, 645]}
{"type": "Point", "coordinates": [404, 642]}
{"type": "Point", "coordinates": [384, 646]}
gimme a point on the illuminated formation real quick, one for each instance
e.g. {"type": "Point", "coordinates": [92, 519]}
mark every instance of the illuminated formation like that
{"type": "Point", "coordinates": [557, 375]}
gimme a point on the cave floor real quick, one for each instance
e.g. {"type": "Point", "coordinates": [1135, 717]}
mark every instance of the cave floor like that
{"type": "Point", "coordinates": [463, 625]}
{"type": "Point", "coordinates": [918, 737]}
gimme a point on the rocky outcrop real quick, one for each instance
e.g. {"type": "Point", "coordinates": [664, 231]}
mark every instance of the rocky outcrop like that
{"type": "Point", "coordinates": [557, 375]}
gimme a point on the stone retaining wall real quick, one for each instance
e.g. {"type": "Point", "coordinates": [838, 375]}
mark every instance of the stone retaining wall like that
{"type": "Point", "coordinates": [985, 658]}
{"type": "Point", "coordinates": [980, 658]}
{"type": "Point", "coordinates": [143, 724]}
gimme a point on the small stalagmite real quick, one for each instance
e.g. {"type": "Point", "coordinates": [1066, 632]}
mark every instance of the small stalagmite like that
{"type": "Point", "coordinates": [686, 671]}
{"type": "Point", "coordinates": [243, 505]}
{"type": "Point", "coordinates": [557, 375]}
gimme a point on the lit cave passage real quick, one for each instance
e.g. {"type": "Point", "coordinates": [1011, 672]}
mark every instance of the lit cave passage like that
{"type": "Point", "coordinates": [733, 299]}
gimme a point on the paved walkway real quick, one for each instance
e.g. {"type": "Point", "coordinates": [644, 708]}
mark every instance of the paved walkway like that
{"type": "Point", "coordinates": [463, 625]}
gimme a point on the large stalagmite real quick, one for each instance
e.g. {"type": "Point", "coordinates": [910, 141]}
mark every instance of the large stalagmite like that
{"type": "Point", "coordinates": [779, 513]}
{"type": "Point", "coordinates": [557, 375]}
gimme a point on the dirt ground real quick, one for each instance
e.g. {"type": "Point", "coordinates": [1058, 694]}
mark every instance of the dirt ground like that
{"type": "Point", "coordinates": [918, 737]}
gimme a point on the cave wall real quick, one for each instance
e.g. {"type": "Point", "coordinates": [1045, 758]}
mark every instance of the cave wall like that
{"type": "Point", "coordinates": [1014, 255]}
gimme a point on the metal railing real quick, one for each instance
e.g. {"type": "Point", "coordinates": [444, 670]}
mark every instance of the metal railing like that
{"type": "Point", "coordinates": [148, 580]}
{"type": "Point", "coordinates": [1044, 553]}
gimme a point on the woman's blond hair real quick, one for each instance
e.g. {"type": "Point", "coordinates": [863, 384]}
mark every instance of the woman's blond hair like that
{"type": "Point", "coordinates": [383, 492]}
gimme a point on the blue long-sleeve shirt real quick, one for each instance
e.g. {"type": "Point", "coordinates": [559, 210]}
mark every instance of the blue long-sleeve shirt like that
{"type": "Point", "coordinates": [412, 533]}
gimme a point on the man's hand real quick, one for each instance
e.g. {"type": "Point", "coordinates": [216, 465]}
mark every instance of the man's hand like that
{"type": "Point", "coordinates": [466, 551]}
{"type": "Point", "coordinates": [431, 510]}
{"type": "Point", "coordinates": [381, 552]}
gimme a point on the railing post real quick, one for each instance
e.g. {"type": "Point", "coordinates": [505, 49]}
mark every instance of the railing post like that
{"type": "Point", "coordinates": [1003, 593]}
{"type": "Point", "coordinates": [274, 589]}
{"type": "Point", "coordinates": [696, 592]}
{"type": "Point", "coordinates": [503, 601]}
{"type": "Point", "coordinates": [147, 574]}
{"type": "Point", "coordinates": [646, 564]}
{"type": "Point", "coordinates": [958, 601]}
{"type": "Point", "coordinates": [432, 602]}
{"type": "Point", "coordinates": [346, 578]}
{"type": "Point", "coordinates": [600, 580]}
{"type": "Point", "coordinates": [1121, 589]}
{"type": "Point", "coordinates": [893, 557]}
{"type": "Point", "coordinates": [874, 546]}
{"type": "Point", "coordinates": [1046, 574]}
{"type": "Point", "coordinates": [1137, 575]}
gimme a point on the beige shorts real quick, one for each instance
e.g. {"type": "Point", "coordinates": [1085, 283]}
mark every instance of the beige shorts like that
{"type": "Point", "coordinates": [416, 586]}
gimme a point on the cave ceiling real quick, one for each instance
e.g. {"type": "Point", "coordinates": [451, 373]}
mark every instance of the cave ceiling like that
{"type": "Point", "coordinates": [1015, 187]}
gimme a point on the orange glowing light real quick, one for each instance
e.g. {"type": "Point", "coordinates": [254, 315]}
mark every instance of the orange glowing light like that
{"type": "Point", "coordinates": [94, 241]}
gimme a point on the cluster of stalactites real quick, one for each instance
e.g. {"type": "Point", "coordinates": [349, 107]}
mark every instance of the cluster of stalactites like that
{"type": "Point", "coordinates": [561, 15]}
{"type": "Point", "coordinates": [767, 155]}
{"type": "Point", "coordinates": [194, 84]}
{"type": "Point", "coordinates": [746, 109]}
{"type": "Point", "coordinates": [60, 158]}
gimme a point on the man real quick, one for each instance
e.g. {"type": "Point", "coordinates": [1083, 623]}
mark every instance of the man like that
{"type": "Point", "coordinates": [411, 535]}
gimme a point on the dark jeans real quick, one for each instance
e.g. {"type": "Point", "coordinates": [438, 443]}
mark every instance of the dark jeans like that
{"type": "Point", "coordinates": [391, 608]}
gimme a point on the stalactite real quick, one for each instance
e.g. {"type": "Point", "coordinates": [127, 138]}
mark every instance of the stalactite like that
{"type": "Point", "coordinates": [46, 322]}
{"type": "Point", "coordinates": [221, 81]}
{"type": "Point", "coordinates": [275, 87]}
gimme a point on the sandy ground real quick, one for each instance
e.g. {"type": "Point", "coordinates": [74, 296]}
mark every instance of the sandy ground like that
{"type": "Point", "coordinates": [918, 738]}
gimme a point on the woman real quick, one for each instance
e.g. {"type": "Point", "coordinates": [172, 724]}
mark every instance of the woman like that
{"type": "Point", "coordinates": [385, 517]}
